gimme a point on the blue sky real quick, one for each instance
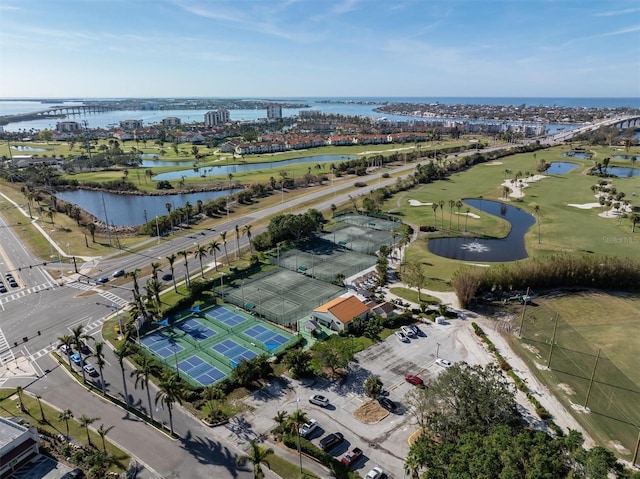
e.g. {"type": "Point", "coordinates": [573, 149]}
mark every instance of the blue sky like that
{"type": "Point", "coordinates": [289, 48]}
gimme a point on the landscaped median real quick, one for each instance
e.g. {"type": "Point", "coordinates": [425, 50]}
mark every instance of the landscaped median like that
{"type": "Point", "coordinates": [64, 437]}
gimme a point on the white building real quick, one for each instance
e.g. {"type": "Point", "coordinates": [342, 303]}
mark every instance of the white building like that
{"type": "Point", "coordinates": [171, 121]}
{"type": "Point", "coordinates": [274, 111]}
{"type": "Point", "coordinates": [130, 124]}
{"type": "Point", "coordinates": [68, 126]}
{"type": "Point", "coordinates": [216, 117]}
{"type": "Point", "coordinates": [18, 446]}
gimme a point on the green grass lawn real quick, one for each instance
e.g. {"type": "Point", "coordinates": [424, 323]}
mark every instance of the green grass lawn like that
{"type": "Point", "coordinates": [589, 325]}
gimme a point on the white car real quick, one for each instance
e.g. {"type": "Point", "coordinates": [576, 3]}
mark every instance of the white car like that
{"type": "Point", "coordinates": [408, 331]}
{"type": "Point", "coordinates": [401, 336]}
{"type": "Point", "coordinates": [308, 427]}
{"type": "Point", "coordinates": [444, 363]}
{"type": "Point", "coordinates": [319, 400]}
{"type": "Point", "coordinates": [375, 473]}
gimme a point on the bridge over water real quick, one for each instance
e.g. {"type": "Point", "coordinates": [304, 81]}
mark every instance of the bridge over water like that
{"type": "Point", "coordinates": [619, 122]}
{"type": "Point", "coordinates": [56, 112]}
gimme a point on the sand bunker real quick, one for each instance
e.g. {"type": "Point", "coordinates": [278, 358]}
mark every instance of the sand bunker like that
{"type": "Point", "coordinates": [494, 163]}
{"type": "Point", "coordinates": [470, 215]}
{"type": "Point", "coordinates": [585, 206]}
{"type": "Point", "coordinates": [418, 203]}
{"type": "Point", "coordinates": [516, 187]}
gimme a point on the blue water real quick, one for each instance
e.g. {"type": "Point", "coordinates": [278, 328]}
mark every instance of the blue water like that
{"type": "Point", "coordinates": [623, 172]}
{"type": "Point", "coordinates": [160, 163]}
{"type": "Point", "coordinates": [150, 117]}
{"type": "Point", "coordinates": [561, 167]}
{"type": "Point", "coordinates": [626, 157]}
{"type": "Point", "coordinates": [129, 210]}
{"type": "Point", "coordinates": [510, 248]}
{"type": "Point", "coordinates": [577, 154]}
{"type": "Point", "coordinates": [238, 168]}
{"type": "Point", "coordinates": [26, 148]}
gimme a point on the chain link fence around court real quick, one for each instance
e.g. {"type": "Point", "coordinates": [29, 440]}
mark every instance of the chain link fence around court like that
{"type": "Point", "coordinates": [280, 296]}
{"type": "Point", "coordinates": [323, 259]}
{"type": "Point", "coordinates": [382, 222]}
{"type": "Point", "coordinates": [359, 238]}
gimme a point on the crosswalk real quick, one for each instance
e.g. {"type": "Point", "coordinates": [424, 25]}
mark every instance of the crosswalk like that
{"type": "Point", "coordinates": [114, 298]}
{"type": "Point", "coordinates": [7, 354]}
{"type": "Point", "coordinates": [23, 292]}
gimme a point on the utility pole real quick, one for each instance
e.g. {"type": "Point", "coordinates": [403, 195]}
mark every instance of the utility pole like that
{"type": "Point", "coordinates": [635, 453]}
{"type": "Point", "coordinates": [593, 375]}
{"type": "Point", "coordinates": [524, 308]}
{"type": "Point", "coordinates": [553, 341]}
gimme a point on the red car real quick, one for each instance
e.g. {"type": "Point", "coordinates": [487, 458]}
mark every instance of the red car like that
{"type": "Point", "coordinates": [415, 380]}
{"type": "Point", "coordinates": [351, 457]}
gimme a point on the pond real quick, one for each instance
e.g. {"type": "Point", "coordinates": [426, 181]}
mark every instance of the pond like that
{"type": "Point", "coordinates": [130, 210]}
{"type": "Point", "coordinates": [561, 167]}
{"type": "Point", "coordinates": [160, 163]}
{"type": "Point", "coordinates": [26, 148]}
{"type": "Point", "coordinates": [623, 171]}
{"type": "Point", "coordinates": [236, 168]}
{"type": "Point", "coordinates": [626, 157]}
{"type": "Point", "coordinates": [510, 248]}
{"type": "Point", "coordinates": [577, 154]}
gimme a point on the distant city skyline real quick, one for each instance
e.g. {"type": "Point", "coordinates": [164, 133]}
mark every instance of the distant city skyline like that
{"type": "Point", "coordinates": [319, 48]}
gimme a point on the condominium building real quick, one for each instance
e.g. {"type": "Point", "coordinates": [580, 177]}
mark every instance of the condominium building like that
{"type": "Point", "coordinates": [216, 117]}
{"type": "Point", "coordinates": [274, 111]}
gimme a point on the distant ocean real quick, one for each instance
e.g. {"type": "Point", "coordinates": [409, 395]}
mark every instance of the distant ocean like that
{"type": "Point", "coordinates": [353, 106]}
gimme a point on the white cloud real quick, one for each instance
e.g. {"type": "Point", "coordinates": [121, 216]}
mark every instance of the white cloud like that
{"type": "Point", "coordinates": [612, 13]}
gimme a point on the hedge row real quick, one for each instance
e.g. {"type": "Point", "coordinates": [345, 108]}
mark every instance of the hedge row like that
{"type": "Point", "coordinates": [518, 381]}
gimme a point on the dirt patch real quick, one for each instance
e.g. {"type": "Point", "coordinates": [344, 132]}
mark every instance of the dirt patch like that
{"type": "Point", "coordinates": [533, 349]}
{"type": "Point", "coordinates": [619, 448]}
{"type": "Point", "coordinates": [565, 388]}
{"type": "Point", "coordinates": [370, 413]}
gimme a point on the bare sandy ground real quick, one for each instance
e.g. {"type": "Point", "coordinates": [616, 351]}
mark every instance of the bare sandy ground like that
{"type": "Point", "coordinates": [418, 203]}
{"type": "Point", "coordinates": [516, 187]}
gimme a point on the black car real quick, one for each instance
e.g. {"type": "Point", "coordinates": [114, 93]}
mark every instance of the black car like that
{"type": "Point", "coordinates": [388, 404]}
{"type": "Point", "coordinates": [331, 440]}
{"type": "Point", "coordinates": [167, 277]}
{"type": "Point", "coordinates": [77, 473]}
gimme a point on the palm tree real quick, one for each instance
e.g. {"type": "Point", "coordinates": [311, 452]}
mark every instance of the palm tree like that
{"type": "Point", "coordinates": [172, 258]}
{"type": "Point", "coordinates": [200, 252]}
{"type": "Point", "coordinates": [452, 203]}
{"type": "Point", "coordinates": [257, 456]}
{"type": "Point", "coordinates": [38, 397]}
{"type": "Point", "coordinates": [78, 342]}
{"type": "Point", "coordinates": [635, 219]}
{"type": "Point", "coordinates": [146, 368]}
{"type": "Point", "coordinates": [373, 386]}
{"type": "Point", "coordinates": [296, 418]}
{"type": "Point", "coordinates": [19, 393]}
{"type": "Point", "coordinates": [100, 362]}
{"type": "Point", "coordinates": [65, 416]}
{"type": "Point", "coordinates": [238, 240]}
{"type": "Point", "coordinates": [67, 341]}
{"type": "Point", "coordinates": [434, 206]}
{"type": "Point", "coordinates": [184, 254]}
{"type": "Point", "coordinates": [155, 268]}
{"type": "Point", "coordinates": [168, 206]}
{"type": "Point", "coordinates": [223, 237]}
{"type": "Point", "coordinates": [536, 212]}
{"type": "Point", "coordinates": [280, 419]}
{"type": "Point", "coordinates": [85, 422]}
{"type": "Point", "coordinates": [122, 351]}
{"type": "Point", "coordinates": [466, 217]}
{"type": "Point", "coordinates": [213, 247]}
{"type": "Point", "coordinates": [171, 390]}
{"type": "Point", "coordinates": [441, 205]}
{"type": "Point", "coordinates": [247, 231]}
{"type": "Point", "coordinates": [102, 432]}
{"type": "Point", "coordinates": [459, 204]}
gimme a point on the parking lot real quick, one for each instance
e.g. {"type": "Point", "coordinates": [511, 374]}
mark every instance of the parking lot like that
{"type": "Point", "coordinates": [383, 443]}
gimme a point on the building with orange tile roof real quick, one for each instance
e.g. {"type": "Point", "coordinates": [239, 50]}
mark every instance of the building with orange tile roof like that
{"type": "Point", "coordinates": [338, 313]}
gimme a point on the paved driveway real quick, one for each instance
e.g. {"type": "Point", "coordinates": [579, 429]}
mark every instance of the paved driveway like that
{"type": "Point", "coordinates": [383, 443]}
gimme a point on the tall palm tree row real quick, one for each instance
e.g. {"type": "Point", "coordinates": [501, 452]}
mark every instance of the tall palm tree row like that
{"type": "Point", "coordinates": [146, 368]}
{"type": "Point", "coordinates": [247, 231]}
{"type": "Point", "coordinates": [171, 390]}
{"type": "Point", "coordinates": [213, 247]}
{"type": "Point", "coordinates": [172, 259]}
{"type": "Point", "coordinates": [100, 362]}
{"type": "Point", "coordinates": [185, 254]}
{"type": "Point", "coordinates": [121, 352]}
{"type": "Point", "coordinates": [65, 416]}
{"type": "Point", "coordinates": [223, 237]}
{"type": "Point", "coordinates": [85, 422]}
{"type": "Point", "coordinates": [200, 253]}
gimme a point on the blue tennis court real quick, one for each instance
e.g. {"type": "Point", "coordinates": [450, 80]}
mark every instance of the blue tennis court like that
{"type": "Point", "coordinates": [200, 370]}
{"type": "Point", "coordinates": [161, 345]}
{"type": "Point", "coordinates": [271, 339]}
{"type": "Point", "coordinates": [226, 316]}
{"type": "Point", "coordinates": [197, 331]}
{"type": "Point", "coordinates": [234, 351]}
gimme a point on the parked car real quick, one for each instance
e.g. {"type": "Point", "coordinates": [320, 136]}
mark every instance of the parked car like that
{"type": "Point", "coordinates": [75, 357]}
{"type": "Point", "coordinates": [84, 349]}
{"type": "Point", "coordinates": [118, 273]}
{"type": "Point", "coordinates": [90, 370]}
{"type": "Point", "coordinates": [375, 473]}
{"type": "Point", "coordinates": [415, 380]}
{"type": "Point", "coordinates": [401, 336]}
{"type": "Point", "coordinates": [319, 400]}
{"type": "Point", "coordinates": [331, 440]}
{"type": "Point", "coordinates": [167, 277]}
{"type": "Point", "coordinates": [308, 427]}
{"type": "Point", "coordinates": [13, 283]}
{"type": "Point", "coordinates": [407, 331]}
{"type": "Point", "coordinates": [351, 457]}
{"type": "Point", "coordinates": [415, 329]}
{"type": "Point", "coordinates": [387, 403]}
{"type": "Point", "coordinates": [64, 349]}
{"type": "Point", "coordinates": [2, 288]}
{"type": "Point", "coordinates": [77, 473]}
{"type": "Point", "coordinates": [444, 363]}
